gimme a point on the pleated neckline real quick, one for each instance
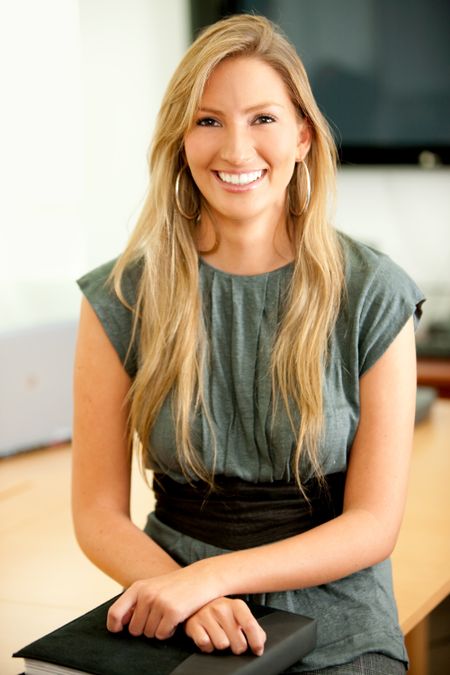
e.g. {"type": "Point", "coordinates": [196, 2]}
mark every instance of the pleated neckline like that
{"type": "Point", "coordinates": [244, 277]}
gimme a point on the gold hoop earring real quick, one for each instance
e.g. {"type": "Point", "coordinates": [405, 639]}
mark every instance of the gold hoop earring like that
{"type": "Point", "coordinates": [297, 214]}
{"type": "Point", "coordinates": [181, 211]}
{"type": "Point", "coordinates": [216, 244]}
{"type": "Point", "coordinates": [213, 248]}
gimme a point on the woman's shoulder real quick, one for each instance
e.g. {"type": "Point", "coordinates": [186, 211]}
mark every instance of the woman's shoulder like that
{"type": "Point", "coordinates": [379, 298]}
{"type": "Point", "coordinates": [368, 270]}
{"type": "Point", "coordinates": [101, 271]}
{"type": "Point", "coordinates": [361, 258]}
{"type": "Point", "coordinates": [115, 315]}
{"type": "Point", "coordinates": [99, 280]}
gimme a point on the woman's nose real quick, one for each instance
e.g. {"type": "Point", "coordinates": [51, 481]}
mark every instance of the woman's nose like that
{"type": "Point", "coordinates": [237, 147]}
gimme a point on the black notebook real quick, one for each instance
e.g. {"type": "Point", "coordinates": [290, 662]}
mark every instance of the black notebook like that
{"type": "Point", "coordinates": [86, 646]}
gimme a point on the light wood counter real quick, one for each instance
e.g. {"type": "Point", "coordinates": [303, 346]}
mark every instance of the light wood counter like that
{"type": "Point", "coordinates": [434, 372]}
{"type": "Point", "coordinates": [46, 581]}
{"type": "Point", "coordinates": [421, 560]}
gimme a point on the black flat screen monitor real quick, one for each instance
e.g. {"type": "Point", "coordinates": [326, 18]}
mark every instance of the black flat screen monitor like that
{"type": "Point", "coordinates": [379, 69]}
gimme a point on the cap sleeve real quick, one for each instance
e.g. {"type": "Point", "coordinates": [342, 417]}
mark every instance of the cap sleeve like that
{"type": "Point", "coordinates": [391, 297]}
{"type": "Point", "coordinates": [114, 316]}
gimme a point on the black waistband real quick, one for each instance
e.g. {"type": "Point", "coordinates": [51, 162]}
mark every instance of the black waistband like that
{"type": "Point", "coordinates": [238, 514]}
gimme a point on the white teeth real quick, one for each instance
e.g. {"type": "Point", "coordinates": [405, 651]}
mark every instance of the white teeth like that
{"type": "Point", "coordinates": [240, 178]}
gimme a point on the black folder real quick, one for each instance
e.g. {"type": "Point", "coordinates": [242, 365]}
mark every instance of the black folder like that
{"type": "Point", "coordinates": [86, 646]}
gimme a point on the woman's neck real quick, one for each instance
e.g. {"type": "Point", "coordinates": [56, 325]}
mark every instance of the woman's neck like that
{"type": "Point", "coordinates": [246, 260]}
{"type": "Point", "coordinates": [244, 249]}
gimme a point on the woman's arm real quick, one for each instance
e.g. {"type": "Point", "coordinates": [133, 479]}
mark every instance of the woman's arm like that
{"type": "Point", "coordinates": [101, 462]}
{"type": "Point", "coordinates": [101, 492]}
{"type": "Point", "coordinates": [375, 490]}
{"type": "Point", "coordinates": [363, 535]}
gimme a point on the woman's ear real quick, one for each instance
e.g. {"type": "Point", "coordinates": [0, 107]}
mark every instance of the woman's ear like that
{"type": "Point", "coordinates": [304, 140]}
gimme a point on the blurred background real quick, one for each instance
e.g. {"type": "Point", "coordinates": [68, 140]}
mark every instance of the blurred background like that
{"type": "Point", "coordinates": [81, 84]}
{"type": "Point", "coordinates": [82, 81]}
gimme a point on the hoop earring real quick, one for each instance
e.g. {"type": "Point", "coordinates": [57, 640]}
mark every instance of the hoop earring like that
{"type": "Point", "coordinates": [213, 248]}
{"type": "Point", "coordinates": [181, 211]}
{"type": "Point", "coordinates": [297, 214]}
{"type": "Point", "coordinates": [216, 244]}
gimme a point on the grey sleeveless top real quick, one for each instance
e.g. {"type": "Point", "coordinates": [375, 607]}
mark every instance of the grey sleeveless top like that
{"type": "Point", "coordinates": [356, 614]}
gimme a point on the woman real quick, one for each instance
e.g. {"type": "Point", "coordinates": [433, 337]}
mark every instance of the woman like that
{"type": "Point", "coordinates": [235, 306]}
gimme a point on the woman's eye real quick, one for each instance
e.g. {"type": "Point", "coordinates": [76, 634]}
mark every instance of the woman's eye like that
{"type": "Point", "coordinates": [264, 119]}
{"type": "Point", "coordinates": [207, 122]}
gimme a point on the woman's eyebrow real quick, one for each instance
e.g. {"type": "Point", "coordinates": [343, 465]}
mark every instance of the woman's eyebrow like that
{"type": "Point", "coordinates": [258, 106]}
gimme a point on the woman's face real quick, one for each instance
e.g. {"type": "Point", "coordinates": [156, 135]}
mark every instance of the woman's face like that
{"type": "Point", "coordinates": [245, 141]}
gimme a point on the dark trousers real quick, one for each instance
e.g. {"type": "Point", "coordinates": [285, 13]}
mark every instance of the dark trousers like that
{"type": "Point", "coordinates": [366, 664]}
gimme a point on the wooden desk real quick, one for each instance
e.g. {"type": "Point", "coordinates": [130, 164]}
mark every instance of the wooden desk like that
{"type": "Point", "coordinates": [421, 560]}
{"type": "Point", "coordinates": [46, 581]}
{"type": "Point", "coordinates": [434, 373]}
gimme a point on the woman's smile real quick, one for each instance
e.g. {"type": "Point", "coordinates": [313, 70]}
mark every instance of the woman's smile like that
{"type": "Point", "coordinates": [240, 181]}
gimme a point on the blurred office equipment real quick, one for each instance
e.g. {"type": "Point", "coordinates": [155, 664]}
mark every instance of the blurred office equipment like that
{"type": "Point", "coordinates": [379, 71]}
{"type": "Point", "coordinates": [36, 386]}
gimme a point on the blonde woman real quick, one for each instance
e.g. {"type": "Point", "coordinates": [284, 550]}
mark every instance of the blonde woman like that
{"type": "Point", "coordinates": [265, 363]}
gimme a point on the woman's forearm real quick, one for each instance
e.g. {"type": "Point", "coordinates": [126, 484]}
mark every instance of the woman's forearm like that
{"type": "Point", "coordinates": [349, 543]}
{"type": "Point", "coordinates": [375, 493]}
{"type": "Point", "coordinates": [344, 545]}
{"type": "Point", "coordinates": [119, 548]}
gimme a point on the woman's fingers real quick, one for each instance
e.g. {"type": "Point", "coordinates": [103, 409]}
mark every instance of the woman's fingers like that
{"type": "Point", "coordinates": [199, 635]}
{"type": "Point", "coordinates": [254, 634]}
{"type": "Point", "coordinates": [143, 611]}
{"type": "Point", "coordinates": [226, 623]}
{"type": "Point", "coordinates": [121, 611]}
{"type": "Point", "coordinates": [208, 636]}
{"type": "Point", "coordinates": [145, 620]}
{"type": "Point", "coordinates": [157, 605]}
{"type": "Point", "coordinates": [222, 623]}
{"type": "Point", "coordinates": [160, 626]}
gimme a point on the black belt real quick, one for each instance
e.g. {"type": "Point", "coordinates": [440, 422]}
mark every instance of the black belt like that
{"type": "Point", "coordinates": [238, 514]}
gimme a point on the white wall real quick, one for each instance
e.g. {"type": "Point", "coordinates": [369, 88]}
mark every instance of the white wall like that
{"type": "Point", "coordinates": [82, 81]}
{"type": "Point", "coordinates": [405, 212]}
{"type": "Point", "coordinates": [129, 51]}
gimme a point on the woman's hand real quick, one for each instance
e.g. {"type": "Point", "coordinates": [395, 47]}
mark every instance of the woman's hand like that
{"type": "Point", "coordinates": [223, 623]}
{"type": "Point", "coordinates": [154, 607]}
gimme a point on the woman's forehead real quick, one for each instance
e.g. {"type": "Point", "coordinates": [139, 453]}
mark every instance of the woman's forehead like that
{"type": "Point", "coordinates": [247, 80]}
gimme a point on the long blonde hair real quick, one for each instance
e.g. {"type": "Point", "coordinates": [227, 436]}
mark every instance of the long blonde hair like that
{"type": "Point", "coordinates": [168, 312]}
